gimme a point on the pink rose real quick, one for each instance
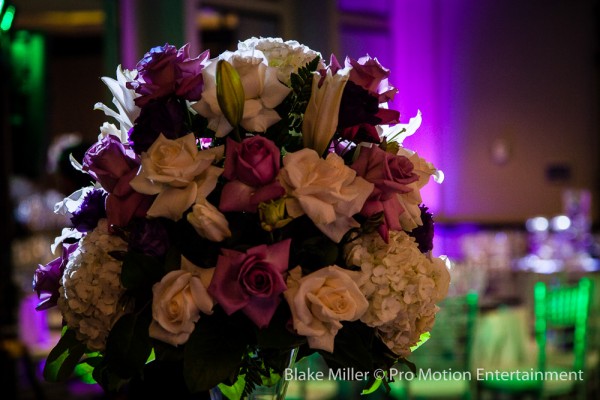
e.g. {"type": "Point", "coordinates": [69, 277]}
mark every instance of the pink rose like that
{"type": "Point", "coordinates": [391, 175]}
{"type": "Point", "coordinates": [368, 73]}
{"type": "Point", "coordinates": [252, 281]}
{"type": "Point", "coordinates": [251, 166]}
{"type": "Point", "coordinates": [114, 164]}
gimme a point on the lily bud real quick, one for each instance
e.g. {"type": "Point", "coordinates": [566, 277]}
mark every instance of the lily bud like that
{"type": "Point", "coordinates": [230, 92]}
{"type": "Point", "coordinates": [272, 214]}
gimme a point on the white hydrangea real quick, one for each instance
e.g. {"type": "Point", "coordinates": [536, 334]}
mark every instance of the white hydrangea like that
{"type": "Point", "coordinates": [91, 291]}
{"type": "Point", "coordinates": [286, 56]}
{"type": "Point", "coordinates": [402, 286]}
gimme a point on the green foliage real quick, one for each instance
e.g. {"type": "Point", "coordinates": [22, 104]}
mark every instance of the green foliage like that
{"type": "Point", "coordinates": [64, 357]}
{"type": "Point", "coordinates": [214, 352]}
{"type": "Point", "coordinates": [140, 272]}
{"type": "Point", "coordinates": [128, 345]}
{"type": "Point", "coordinates": [287, 133]}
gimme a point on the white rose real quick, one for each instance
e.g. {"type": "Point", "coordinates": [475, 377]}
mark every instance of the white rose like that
{"type": "Point", "coordinates": [321, 115]}
{"type": "Point", "coordinates": [320, 300]}
{"type": "Point", "coordinates": [178, 173]}
{"type": "Point", "coordinates": [177, 302]}
{"type": "Point", "coordinates": [208, 221]}
{"type": "Point", "coordinates": [326, 190]}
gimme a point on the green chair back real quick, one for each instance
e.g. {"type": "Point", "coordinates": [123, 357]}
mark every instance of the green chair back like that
{"type": "Point", "coordinates": [561, 315]}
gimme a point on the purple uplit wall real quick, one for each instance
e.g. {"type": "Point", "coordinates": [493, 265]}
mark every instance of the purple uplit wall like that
{"type": "Point", "coordinates": [515, 74]}
{"type": "Point", "coordinates": [508, 91]}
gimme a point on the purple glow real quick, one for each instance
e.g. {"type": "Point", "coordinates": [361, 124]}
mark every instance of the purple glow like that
{"type": "Point", "coordinates": [416, 73]}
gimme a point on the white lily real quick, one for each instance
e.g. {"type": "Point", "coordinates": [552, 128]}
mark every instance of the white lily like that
{"type": "Point", "coordinates": [123, 99]}
{"type": "Point", "coordinates": [321, 115]}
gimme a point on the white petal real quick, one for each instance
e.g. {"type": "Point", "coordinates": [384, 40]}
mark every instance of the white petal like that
{"type": "Point", "coordinates": [274, 91]}
{"type": "Point", "coordinates": [172, 202]}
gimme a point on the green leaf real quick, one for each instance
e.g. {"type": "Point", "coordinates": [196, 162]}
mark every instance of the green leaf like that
{"type": "Point", "coordinates": [352, 348]}
{"type": "Point", "coordinates": [109, 381]}
{"type": "Point", "coordinates": [84, 372]}
{"type": "Point", "coordinates": [235, 391]}
{"type": "Point", "coordinates": [422, 339]}
{"type": "Point", "coordinates": [140, 271]}
{"type": "Point", "coordinates": [372, 387]}
{"type": "Point", "coordinates": [128, 346]}
{"type": "Point", "coordinates": [213, 353]}
{"type": "Point", "coordinates": [276, 335]}
{"type": "Point", "coordinates": [64, 357]}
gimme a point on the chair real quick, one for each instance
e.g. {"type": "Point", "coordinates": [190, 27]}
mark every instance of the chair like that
{"type": "Point", "coordinates": [561, 324]}
{"type": "Point", "coordinates": [443, 362]}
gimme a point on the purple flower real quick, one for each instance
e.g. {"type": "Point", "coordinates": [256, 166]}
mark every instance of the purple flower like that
{"type": "Point", "coordinates": [166, 71]}
{"type": "Point", "coordinates": [251, 166]}
{"type": "Point", "coordinates": [424, 234]}
{"type": "Point", "coordinates": [252, 281]}
{"type": "Point", "coordinates": [114, 165]}
{"type": "Point", "coordinates": [391, 175]}
{"type": "Point", "coordinates": [157, 117]}
{"type": "Point", "coordinates": [149, 236]}
{"type": "Point", "coordinates": [108, 160]}
{"type": "Point", "coordinates": [46, 279]}
{"type": "Point", "coordinates": [360, 113]}
{"type": "Point", "coordinates": [91, 209]}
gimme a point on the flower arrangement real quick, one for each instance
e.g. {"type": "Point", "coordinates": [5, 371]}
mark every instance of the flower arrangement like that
{"type": "Point", "coordinates": [241, 207]}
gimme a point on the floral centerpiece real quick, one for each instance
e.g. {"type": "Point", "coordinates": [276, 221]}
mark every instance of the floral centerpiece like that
{"type": "Point", "coordinates": [241, 207]}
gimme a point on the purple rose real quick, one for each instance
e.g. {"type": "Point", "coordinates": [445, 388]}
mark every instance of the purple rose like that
{"type": "Point", "coordinates": [114, 165]}
{"type": "Point", "coordinates": [251, 166]}
{"type": "Point", "coordinates": [391, 175]}
{"type": "Point", "coordinates": [252, 281]}
{"type": "Point", "coordinates": [149, 236]}
{"type": "Point", "coordinates": [424, 234]}
{"type": "Point", "coordinates": [46, 279]}
{"type": "Point", "coordinates": [91, 209]}
{"type": "Point", "coordinates": [108, 160]}
{"type": "Point", "coordinates": [157, 117]}
{"type": "Point", "coordinates": [165, 71]}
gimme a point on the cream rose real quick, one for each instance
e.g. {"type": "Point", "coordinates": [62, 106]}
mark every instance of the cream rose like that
{"type": "Point", "coordinates": [326, 190]}
{"type": "Point", "coordinates": [178, 173]}
{"type": "Point", "coordinates": [208, 221]}
{"type": "Point", "coordinates": [321, 300]}
{"type": "Point", "coordinates": [177, 302]}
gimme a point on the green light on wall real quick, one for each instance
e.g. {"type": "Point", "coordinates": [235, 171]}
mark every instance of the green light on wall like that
{"type": "Point", "coordinates": [7, 18]}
